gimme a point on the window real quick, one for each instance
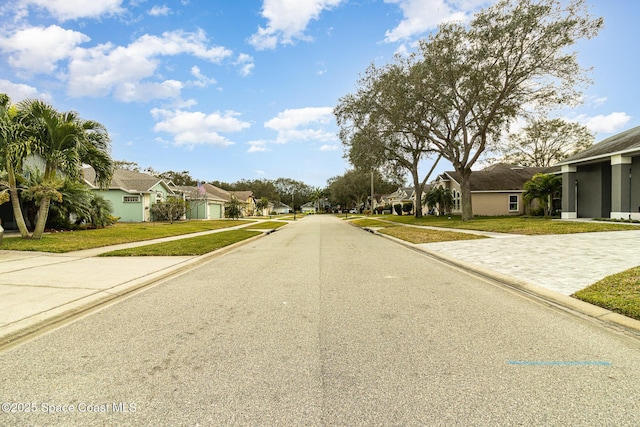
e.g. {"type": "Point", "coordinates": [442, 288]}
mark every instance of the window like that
{"type": "Point", "coordinates": [456, 200]}
{"type": "Point", "coordinates": [513, 203]}
{"type": "Point", "coordinates": [131, 199]}
{"type": "Point", "coordinates": [159, 197]}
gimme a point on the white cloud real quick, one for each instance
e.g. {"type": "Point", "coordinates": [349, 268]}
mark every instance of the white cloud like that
{"type": "Point", "coordinates": [257, 147]}
{"type": "Point", "coordinates": [196, 128]}
{"type": "Point", "coordinates": [18, 92]}
{"type": "Point", "coordinates": [287, 20]}
{"type": "Point", "coordinates": [105, 68]}
{"type": "Point", "coordinates": [329, 147]}
{"type": "Point", "coordinates": [74, 9]}
{"type": "Point", "coordinates": [159, 11]}
{"type": "Point", "coordinates": [128, 72]}
{"type": "Point", "coordinates": [136, 91]}
{"type": "Point", "coordinates": [245, 62]}
{"type": "Point", "coordinates": [421, 16]}
{"type": "Point", "coordinates": [201, 79]}
{"type": "Point", "coordinates": [302, 124]}
{"type": "Point", "coordinates": [39, 49]}
{"type": "Point", "coordinates": [604, 124]}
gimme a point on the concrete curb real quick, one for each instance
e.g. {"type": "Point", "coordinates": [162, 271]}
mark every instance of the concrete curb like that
{"type": "Point", "coordinates": [22, 330]}
{"type": "Point", "coordinates": [555, 298]}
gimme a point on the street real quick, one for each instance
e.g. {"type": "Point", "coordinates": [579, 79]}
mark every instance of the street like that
{"type": "Point", "coordinates": [324, 324]}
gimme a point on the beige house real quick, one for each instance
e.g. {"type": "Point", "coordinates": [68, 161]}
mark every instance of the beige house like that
{"type": "Point", "coordinates": [246, 197]}
{"type": "Point", "coordinates": [495, 191]}
{"type": "Point", "coordinates": [399, 197]}
{"type": "Point", "coordinates": [202, 205]}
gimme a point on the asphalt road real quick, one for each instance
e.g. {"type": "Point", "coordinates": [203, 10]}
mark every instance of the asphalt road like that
{"type": "Point", "coordinates": [322, 324]}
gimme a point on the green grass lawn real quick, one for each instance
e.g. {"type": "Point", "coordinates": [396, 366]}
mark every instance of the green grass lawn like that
{"type": "Point", "coordinates": [619, 293]}
{"type": "Point", "coordinates": [118, 233]}
{"type": "Point", "coordinates": [191, 246]}
{"type": "Point", "coordinates": [513, 225]}
{"type": "Point", "coordinates": [267, 225]}
{"type": "Point", "coordinates": [420, 235]}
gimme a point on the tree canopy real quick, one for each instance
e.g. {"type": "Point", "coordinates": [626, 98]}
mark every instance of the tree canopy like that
{"type": "Point", "coordinates": [468, 83]}
{"type": "Point", "coordinates": [544, 142]}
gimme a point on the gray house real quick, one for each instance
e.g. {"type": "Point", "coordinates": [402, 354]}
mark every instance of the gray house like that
{"type": "Point", "coordinates": [604, 180]}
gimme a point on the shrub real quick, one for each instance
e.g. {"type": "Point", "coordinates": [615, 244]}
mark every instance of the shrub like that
{"type": "Point", "coordinates": [172, 209]}
{"type": "Point", "coordinates": [398, 209]}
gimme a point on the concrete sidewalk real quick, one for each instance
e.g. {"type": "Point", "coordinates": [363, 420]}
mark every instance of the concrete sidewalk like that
{"type": "Point", "coordinates": [39, 289]}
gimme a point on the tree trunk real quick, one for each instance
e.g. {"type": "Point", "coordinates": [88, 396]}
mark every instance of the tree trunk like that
{"type": "Point", "coordinates": [417, 188]}
{"type": "Point", "coordinates": [465, 194]}
{"type": "Point", "coordinates": [43, 213]}
{"type": "Point", "coordinates": [15, 202]}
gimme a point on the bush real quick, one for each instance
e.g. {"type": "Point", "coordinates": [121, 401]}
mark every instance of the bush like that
{"type": "Point", "coordinates": [398, 209]}
{"type": "Point", "coordinates": [537, 212]}
{"type": "Point", "coordinates": [407, 207]}
{"type": "Point", "coordinates": [172, 209]}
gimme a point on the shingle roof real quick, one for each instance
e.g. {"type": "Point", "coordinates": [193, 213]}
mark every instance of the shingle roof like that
{"type": "Point", "coordinates": [125, 179]}
{"type": "Point", "coordinates": [242, 195]}
{"type": "Point", "coordinates": [500, 177]}
{"type": "Point", "coordinates": [192, 190]}
{"type": "Point", "coordinates": [627, 141]}
{"type": "Point", "coordinates": [217, 191]}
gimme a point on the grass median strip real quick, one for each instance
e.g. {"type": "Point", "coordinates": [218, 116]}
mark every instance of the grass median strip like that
{"type": "Point", "coordinates": [116, 234]}
{"type": "Point", "coordinates": [267, 225]}
{"type": "Point", "coordinates": [421, 235]}
{"type": "Point", "coordinates": [414, 234]}
{"type": "Point", "coordinates": [191, 246]}
{"type": "Point", "coordinates": [619, 293]}
{"type": "Point", "coordinates": [513, 225]}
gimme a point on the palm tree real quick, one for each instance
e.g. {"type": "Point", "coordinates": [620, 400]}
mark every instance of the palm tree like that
{"type": "Point", "coordinates": [439, 196]}
{"type": "Point", "coordinates": [64, 142]}
{"type": "Point", "coordinates": [14, 148]}
{"type": "Point", "coordinates": [544, 187]}
{"type": "Point", "coordinates": [316, 195]}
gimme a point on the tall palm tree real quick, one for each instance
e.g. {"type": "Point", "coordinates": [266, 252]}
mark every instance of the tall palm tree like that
{"type": "Point", "coordinates": [64, 142]}
{"type": "Point", "coordinates": [14, 148]}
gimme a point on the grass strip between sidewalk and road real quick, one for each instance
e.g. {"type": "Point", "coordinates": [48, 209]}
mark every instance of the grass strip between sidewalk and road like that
{"type": "Point", "coordinates": [619, 293]}
{"type": "Point", "coordinates": [414, 234]}
{"type": "Point", "coordinates": [190, 246]}
{"type": "Point", "coordinates": [267, 225]}
{"type": "Point", "coordinates": [119, 233]}
{"type": "Point", "coordinates": [528, 226]}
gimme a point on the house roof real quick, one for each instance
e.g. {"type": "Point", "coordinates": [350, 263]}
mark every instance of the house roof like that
{"type": "Point", "coordinates": [622, 143]}
{"type": "Point", "coordinates": [137, 182]}
{"type": "Point", "coordinates": [242, 195]}
{"type": "Point", "coordinates": [280, 205]}
{"type": "Point", "coordinates": [217, 191]}
{"type": "Point", "coordinates": [498, 177]}
{"type": "Point", "coordinates": [192, 190]}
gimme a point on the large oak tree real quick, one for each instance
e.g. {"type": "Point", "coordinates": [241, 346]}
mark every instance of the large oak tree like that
{"type": "Point", "coordinates": [468, 83]}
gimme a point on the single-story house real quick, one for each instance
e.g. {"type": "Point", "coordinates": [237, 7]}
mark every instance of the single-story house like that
{"type": "Point", "coordinates": [201, 204]}
{"type": "Point", "coordinates": [245, 197]}
{"type": "Point", "coordinates": [603, 181]}
{"type": "Point", "coordinates": [280, 208]}
{"type": "Point", "coordinates": [495, 190]}
{"type": "Point", "coordinates": [131, 193]}
{"type": "Point", "coordinates": [399, 197]}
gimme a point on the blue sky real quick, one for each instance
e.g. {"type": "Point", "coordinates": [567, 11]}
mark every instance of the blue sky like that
{"type": "Point", "coordinates": [244, 89]}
